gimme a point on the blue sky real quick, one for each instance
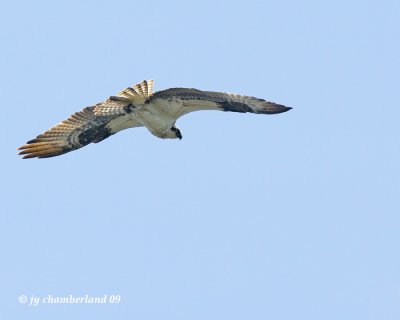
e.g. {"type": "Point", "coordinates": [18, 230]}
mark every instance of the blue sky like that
{"type": "Point", "coordinates": [292, 216]}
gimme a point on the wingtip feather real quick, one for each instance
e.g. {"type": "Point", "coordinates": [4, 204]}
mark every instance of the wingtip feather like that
{"type": "Point", "coordinates": [40, 150]}
{"type": "Point", "coordinates": [274, 108]}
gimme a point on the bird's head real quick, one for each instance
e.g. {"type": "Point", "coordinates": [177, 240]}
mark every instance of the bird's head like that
{"type": "Point", "coordinates": [176, 132]}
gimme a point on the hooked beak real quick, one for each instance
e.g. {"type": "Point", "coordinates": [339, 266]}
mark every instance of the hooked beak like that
{"type": "Point", "coordinates": [177, 132]}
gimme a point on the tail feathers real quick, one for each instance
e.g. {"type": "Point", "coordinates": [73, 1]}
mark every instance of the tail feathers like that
{"type": "Point", "coordinates": [139, 93]}
{"type": "Point", "coordinates": [126, 100]}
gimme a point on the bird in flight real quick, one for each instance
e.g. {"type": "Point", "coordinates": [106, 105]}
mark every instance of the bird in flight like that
{"type": "Point", "coordinates": [138, 106]}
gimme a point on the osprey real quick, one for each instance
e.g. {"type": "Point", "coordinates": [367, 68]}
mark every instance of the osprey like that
{"type": "Point", "coordinates": [138, 106]}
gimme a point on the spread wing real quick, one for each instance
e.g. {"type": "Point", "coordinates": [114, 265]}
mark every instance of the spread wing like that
{"type": "Point", "coordinates": [92, 124]}
{"type": "Point", "coordinates": [194, 100]}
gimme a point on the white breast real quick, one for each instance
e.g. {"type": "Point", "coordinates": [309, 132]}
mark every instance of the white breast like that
{"type": "Point", "coordinates": [159, 116]}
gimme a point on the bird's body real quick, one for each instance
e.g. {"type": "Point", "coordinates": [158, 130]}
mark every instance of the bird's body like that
{"type": "Point", "coordinates": [138, 106]}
